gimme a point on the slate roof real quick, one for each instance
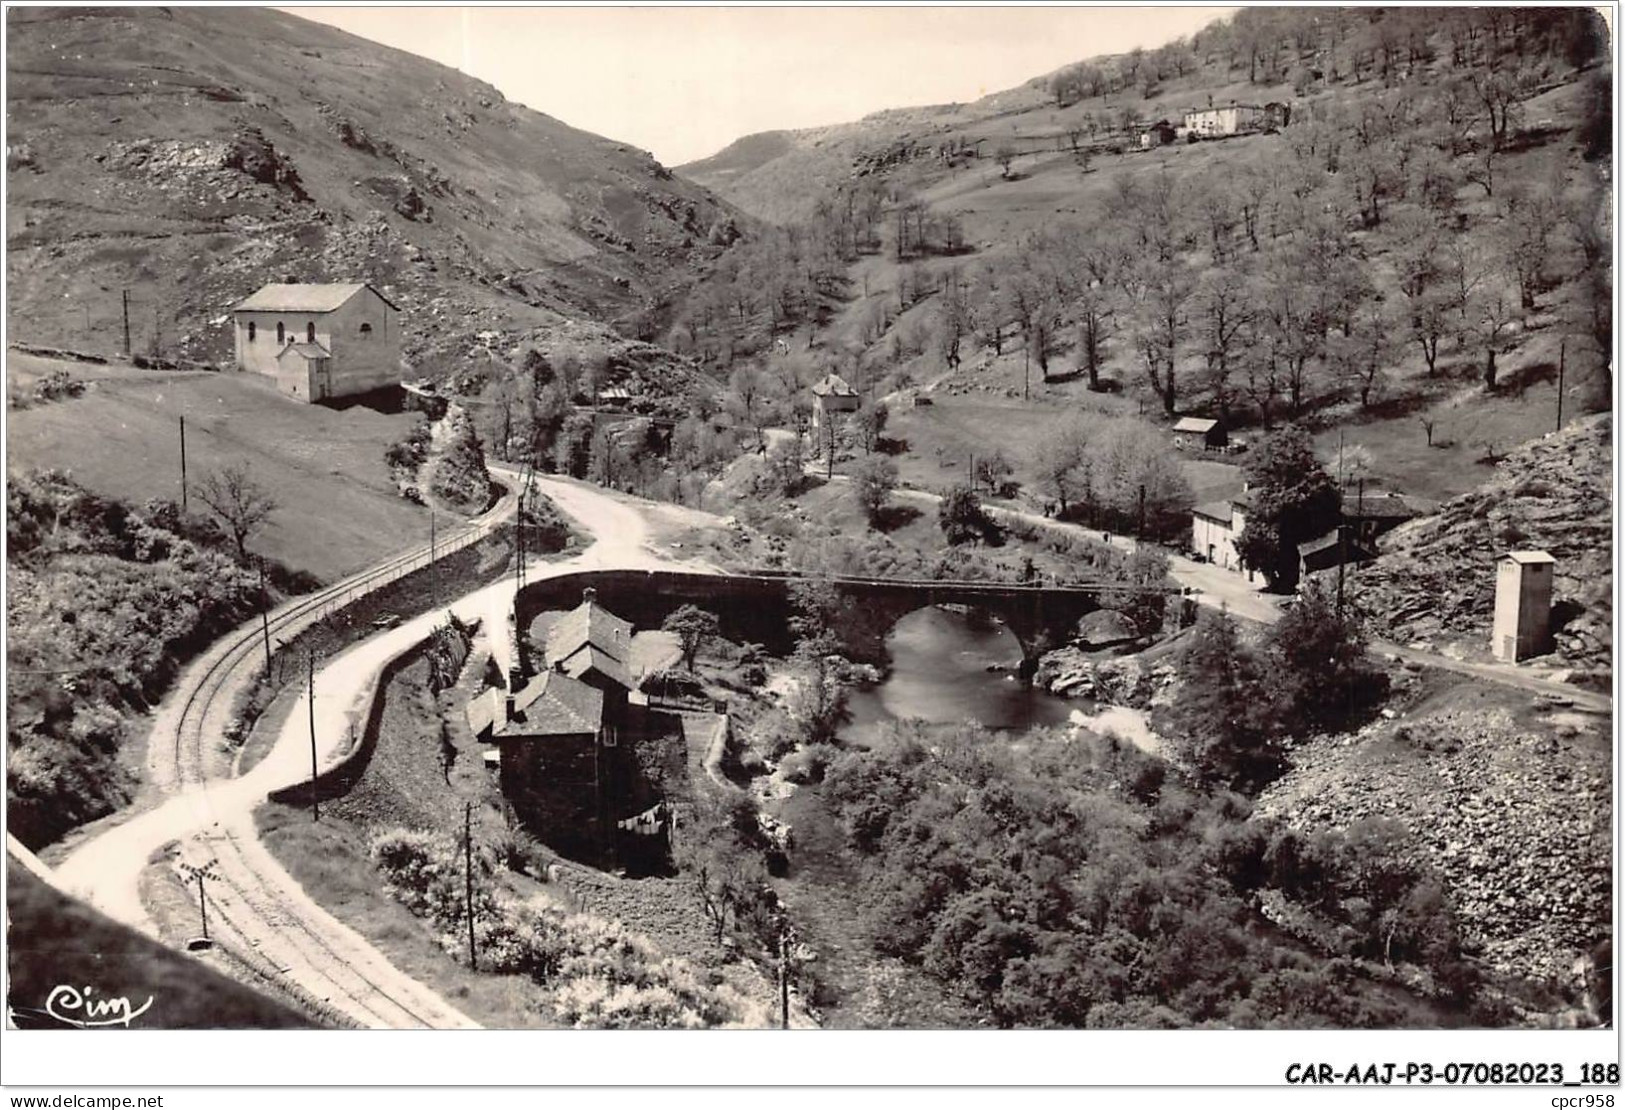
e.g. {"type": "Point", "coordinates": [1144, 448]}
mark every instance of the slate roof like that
{"type": "Point", "coordinates": [1330, 540]}
{"type": "Point", "coordinates": [589, 623]}
{"type": "Point", "coordinates": [590, 658]}
{"type": "Point", "coordinates": [1215, 510]}
{"type": "Point", "coordinates": [1384, 506]}
{"type": "Point", "coordinates": [551, 704]}
{"type": "Point", "coordinates": [279, 297]}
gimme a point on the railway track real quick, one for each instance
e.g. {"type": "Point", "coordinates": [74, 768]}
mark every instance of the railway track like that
{"type": "Point", "coordinates": [263, 922]}
{"type": "Point", "coordinates": [271, 925]}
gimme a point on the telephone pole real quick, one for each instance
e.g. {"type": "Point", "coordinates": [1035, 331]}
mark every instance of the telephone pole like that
{"type": "Point", "coordinates": [784, 975]}
{"type": "Point", "coordinates": [126, 323]}
{"type": "Point", "coordinates": [1562, 360]}
{"type": "Point", "coordinates": [265, 620]}
{"type": "Point", "coordinates": [183, 464]}
{"type": "Point", "coordinates": [1342, 563]}
{"type": "Point", "coordinates": [434, 571]}
{"type": "Point", "coordinates": [310, 699]}
{"type": "Point", "coordinates": [468, 879]}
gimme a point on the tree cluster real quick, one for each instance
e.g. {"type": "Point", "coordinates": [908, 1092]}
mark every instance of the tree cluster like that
{"type": "Point", "coordinates": [1110, 474]}
{"type": "Point", "coordinates": [105, 603]}
{"type": "Point", "coordinates": [1075, 883]}
{"type": "Point", "coordinates": [1235, 704]}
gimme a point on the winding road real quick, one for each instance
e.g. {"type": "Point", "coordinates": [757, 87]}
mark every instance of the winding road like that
{"type": "Point", "coordinates": [258, 913]}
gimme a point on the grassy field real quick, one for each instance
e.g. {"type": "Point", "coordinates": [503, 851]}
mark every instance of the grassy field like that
{"type": "Point", "coordinates": [338, 509]}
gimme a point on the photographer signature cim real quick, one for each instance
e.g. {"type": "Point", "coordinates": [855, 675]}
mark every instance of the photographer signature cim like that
{"type": "Point", "coordinates": [74, 1006]}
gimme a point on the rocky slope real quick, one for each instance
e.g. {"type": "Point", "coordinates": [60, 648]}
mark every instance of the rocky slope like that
{"type": "Point", "coordinates": [190, 155]}
{"type": "Point", "coordinates": [1435, 580]}
{"type": "Point", "coordinates": [1513, 812]}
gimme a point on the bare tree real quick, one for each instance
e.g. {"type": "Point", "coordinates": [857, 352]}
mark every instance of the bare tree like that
{"type": "Point", "coordinates": [1004, 155]}
{"type": "Point", "coordinates": [241, 503]}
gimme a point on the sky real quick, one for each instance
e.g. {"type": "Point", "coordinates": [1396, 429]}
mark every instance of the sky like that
{"type": "Point", "coordinates": [684, 82]}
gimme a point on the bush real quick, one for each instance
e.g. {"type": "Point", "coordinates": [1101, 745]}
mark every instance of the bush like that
{"type": "Point", "coordinates": [807, 766]}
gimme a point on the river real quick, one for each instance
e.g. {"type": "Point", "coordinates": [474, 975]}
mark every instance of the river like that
{"type": "Point", "coordinates": [939, 673]}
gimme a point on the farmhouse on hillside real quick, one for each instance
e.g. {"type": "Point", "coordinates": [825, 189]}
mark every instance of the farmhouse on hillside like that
{"type": "Point", "coordinates": [1235, 119]}
{"type": "Point", "coordinates": [831, 395]}
{"type": "Point", "coordinates": [319, 342]}
{"type": "Point", "coordinates": [1152, 135]}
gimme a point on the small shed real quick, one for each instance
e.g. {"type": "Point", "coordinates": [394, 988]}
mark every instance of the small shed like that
{"type": "Point", "coordinates": [1156, 134]}
{"type": "Point", "coordinates": [1192, 430]}
{"type": "Point", "coordinates": [1331, 551]}
{"type": "Point", "coordinates": [1523, 605]}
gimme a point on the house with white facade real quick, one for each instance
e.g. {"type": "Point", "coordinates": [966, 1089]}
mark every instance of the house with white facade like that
{"type": "Point", "coordinates": [319, 342]}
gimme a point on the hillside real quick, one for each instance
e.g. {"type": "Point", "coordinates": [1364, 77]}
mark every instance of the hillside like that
{"type": "Point", "coordinates": [190, 155]}
{"type": "Point", "coordinates": [1435, 580]}
{"type": "Point", "coordinates": [1406, 265]}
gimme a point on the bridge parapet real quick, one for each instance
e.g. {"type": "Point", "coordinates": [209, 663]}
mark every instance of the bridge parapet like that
{"type": "Point", "coordinates": [757, 607]}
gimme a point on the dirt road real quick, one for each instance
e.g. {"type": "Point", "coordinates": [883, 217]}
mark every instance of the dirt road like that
{"type": "Point", "coordinates": [256, 906]}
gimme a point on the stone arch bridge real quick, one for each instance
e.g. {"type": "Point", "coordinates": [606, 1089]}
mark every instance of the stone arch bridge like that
{"type": "Point", "coordinates": [756, 607]}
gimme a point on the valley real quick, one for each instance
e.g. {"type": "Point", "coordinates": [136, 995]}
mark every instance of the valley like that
{"type": "Point", "coordinates": [1128, 552]}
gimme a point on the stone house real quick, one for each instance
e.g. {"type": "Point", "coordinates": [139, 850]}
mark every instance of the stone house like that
{"type": "Point", "coordinates": [1152, 135]}
{"type": "Point", "coordinates": [586, 763]}
{"type": "Point", "coordinates": [319, 342]}
{"type": "Point", "coordinates": [1215, 122]}
{"type": "Point", "coordinates": [1215, 527]}
{"type": "Point", "coordinates": [832, 394]}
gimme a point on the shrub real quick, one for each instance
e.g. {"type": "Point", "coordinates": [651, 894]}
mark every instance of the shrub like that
{"type": "Point", "coordinates": [807, 766]}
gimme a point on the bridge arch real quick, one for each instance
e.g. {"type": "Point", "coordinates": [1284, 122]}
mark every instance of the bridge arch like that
{"type": "Point", "coordinates": [757, 607]}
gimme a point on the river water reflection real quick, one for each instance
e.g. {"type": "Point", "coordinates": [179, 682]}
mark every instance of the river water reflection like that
{"type": "Point", "coordinates": [939, 673]}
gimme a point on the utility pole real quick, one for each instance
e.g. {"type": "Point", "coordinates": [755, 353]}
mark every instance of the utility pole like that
{"type": "Point", "coordinates": [1562, 360]}
{"type": "Point", "coordinates": [1140, 535]}
{"type": "Point", "coordinates": [1342, 563]}
{"type": "Point", "coordinates": [183, 464]}
{"type": "Point", "coordinates": [265, 620]}
{"type": "Point", "coordinates": [434, 570]}
{"type": "Point", "coordinates": [468, 879]}
{"type": "Point", "coordinates": [126, 323]}
{"type": "Point", "coordinates": [784, 975]}
{"type": "Point", "coordinates": [310, 699]}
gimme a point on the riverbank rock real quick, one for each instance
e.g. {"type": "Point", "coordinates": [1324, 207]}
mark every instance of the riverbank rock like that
{"type": "Point", "coordinates": [1070, 672]}
{"type": "Point", "coordinates": [1105, 628]}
